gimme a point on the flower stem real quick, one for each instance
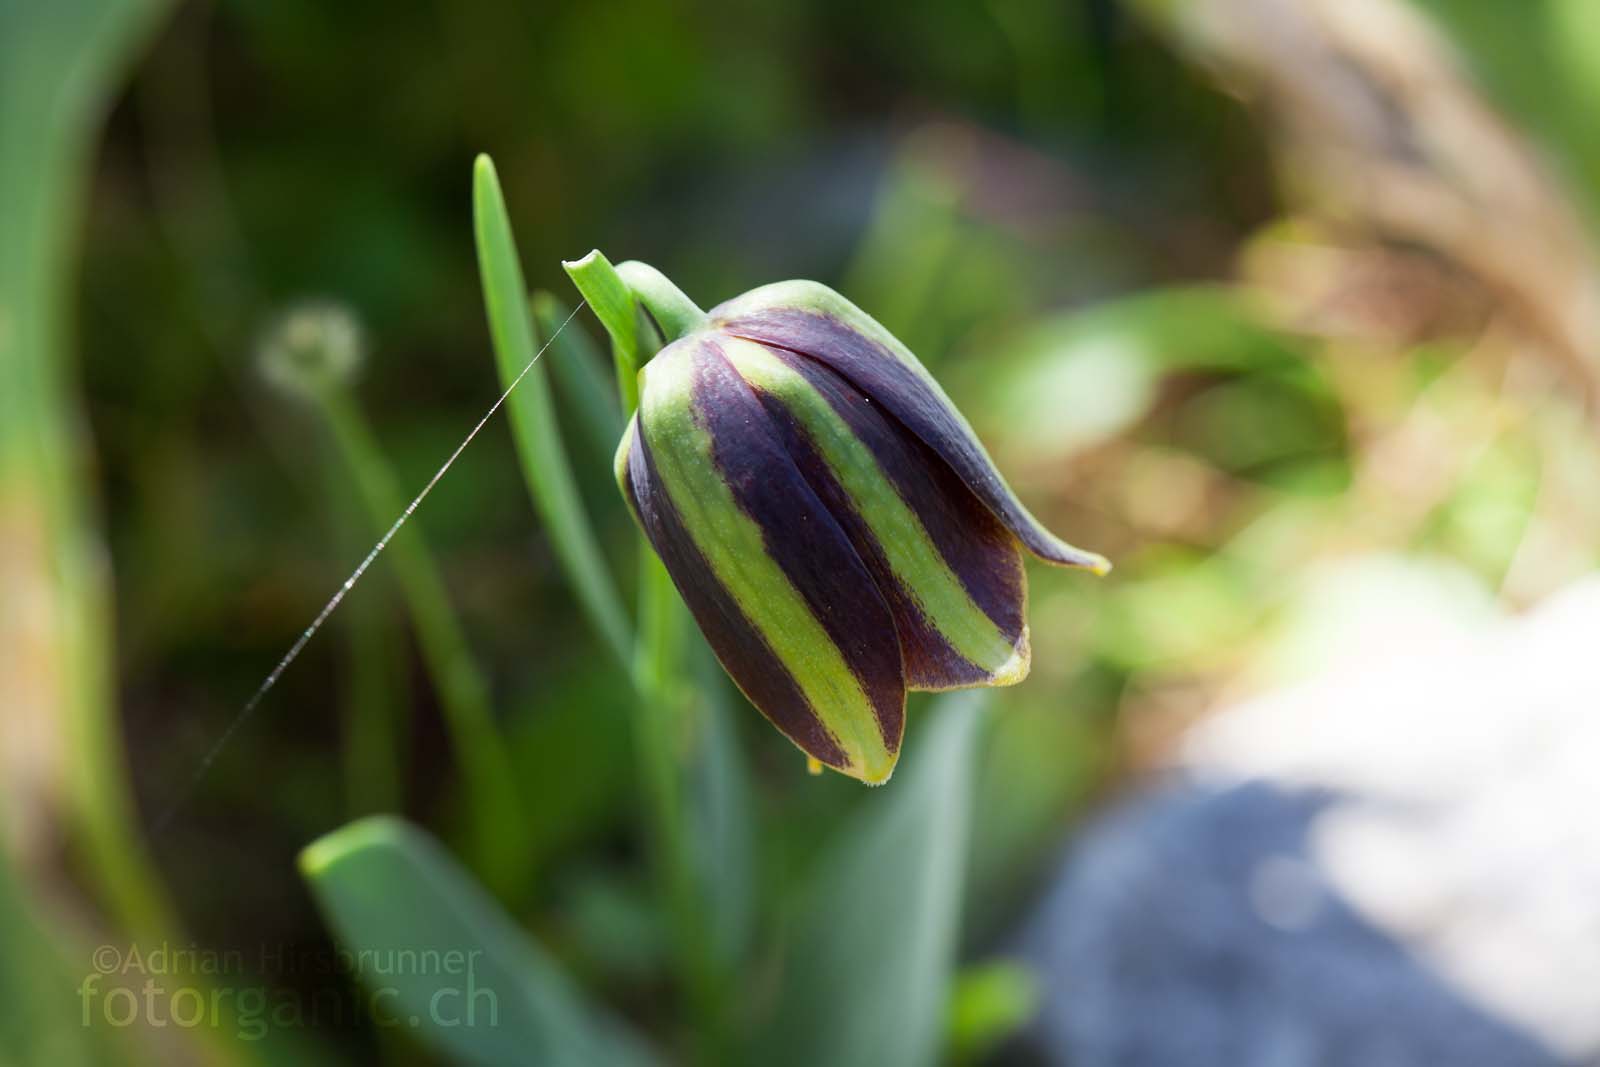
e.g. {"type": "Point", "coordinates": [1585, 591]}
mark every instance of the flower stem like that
{"type": "Point", "coordinates": [662, 682]}
{"type": "Point", "coordinates": [375, 694]}
{"type": "Point", "coordinates": [660, 677]}
{"type": "Point", "coordinates": [493, 801]}
{"type": "Point", "coordinates": [672, 309]}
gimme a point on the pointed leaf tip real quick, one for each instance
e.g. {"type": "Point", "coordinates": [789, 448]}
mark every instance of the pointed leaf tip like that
{"type": "Point", "coordinates": [319, 857]}
{"type": "Point", "coordinates": [593, 257]}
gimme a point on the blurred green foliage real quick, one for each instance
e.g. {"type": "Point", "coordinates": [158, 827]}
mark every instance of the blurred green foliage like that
{"type": "Point", "coordinates": [391, 893]}
{"type": "Point", "coordinates": [1092, 219]}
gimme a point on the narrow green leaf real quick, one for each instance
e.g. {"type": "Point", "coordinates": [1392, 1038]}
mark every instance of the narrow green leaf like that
{"type": "Point", "coordinates": [438, 956]}
{"type": "Point", "coordinates": [873, 946]}
{"type": "Point", "coordinates": [613, 304]}
{"type": "Point", "coordinates": [539, 447]}
{"type": "Point", "coordinates": [579, 376]}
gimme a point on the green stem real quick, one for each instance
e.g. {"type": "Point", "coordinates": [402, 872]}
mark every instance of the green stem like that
{"type": "Point", "coordinates": [660, 677]}
{"type": "Point", "coordinates": [374, 694]}
{"type": "Point", "coordinates": [662, 683]}
{"type": "Point", "coordinates": [674, 312]}
{"type": "Point", "coordinates": [492, 797]}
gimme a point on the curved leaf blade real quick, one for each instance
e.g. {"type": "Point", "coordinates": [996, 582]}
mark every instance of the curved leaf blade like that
{"type": "Point", "coordinates": [481, 991]}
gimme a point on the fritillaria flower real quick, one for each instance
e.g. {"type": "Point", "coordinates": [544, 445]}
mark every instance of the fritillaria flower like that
{"type": "Point", "coordinates": [828, 516]}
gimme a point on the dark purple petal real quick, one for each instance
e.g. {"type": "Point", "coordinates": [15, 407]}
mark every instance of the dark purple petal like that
{"type": "Point", "coordinates": [744, 654]}
{"type": "Point", "coordinates": [802, 537]}
{"type": "Point", "coordinates": [978, 549]}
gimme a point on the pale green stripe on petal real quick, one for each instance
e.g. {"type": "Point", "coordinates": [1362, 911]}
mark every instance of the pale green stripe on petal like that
{"type": "Point", "coordinates": [913, 557]}
{"type": "Point", "coordinates": [913, 395]}
{"type": "Point", "coordinates": [732, 545]}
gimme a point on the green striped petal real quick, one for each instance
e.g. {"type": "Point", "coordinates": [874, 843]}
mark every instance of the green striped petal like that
{"type": "Point", "coordinates": [813, 320]}
{"type": "Point", "coordinates": [950, 572]}
{"type": "Point", "coordinates": [833, 524]}
{"type": "Point", "coordinates": [773, 582]}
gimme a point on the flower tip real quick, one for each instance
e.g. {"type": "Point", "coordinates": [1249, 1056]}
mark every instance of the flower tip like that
{"type": "Point", "coordinates": [1017, 667]}
{"type": "Point", "coordinates": [879, 777]}
{"type": "Point", "coordinates": [1061, 554]}
{"type": "Point", "coordinates": [873, 772]}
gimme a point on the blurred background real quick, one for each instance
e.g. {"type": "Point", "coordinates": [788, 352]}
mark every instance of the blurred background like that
{"type": "Point", "coordinates": [1291, 308]}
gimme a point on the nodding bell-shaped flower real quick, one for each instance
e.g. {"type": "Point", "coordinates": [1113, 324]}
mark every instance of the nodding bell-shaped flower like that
{"type": "Point", "coordinates": [830, 519]}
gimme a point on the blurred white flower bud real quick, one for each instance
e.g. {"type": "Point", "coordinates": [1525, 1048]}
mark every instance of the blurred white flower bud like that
{"type": "Point", "coordinates": [312, 347]}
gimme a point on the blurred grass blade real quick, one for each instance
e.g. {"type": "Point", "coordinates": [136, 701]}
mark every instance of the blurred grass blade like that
{"type": "Point", "coordinates": [874, 944]}
{"type": "Point", "coordinates": [533, 422]}
{"type": "Point", "coordinates": [492, 797]}
{"type": "Point", "coordinates": [375, 696]}
{"type": "Point", "coordinates": [40, 1019]}
{"type": "Point", "coordinates": [575, 364]}
{"type": "Point", "coordinates": [481, 991]}
{"type": "Point", "coordinates": [613, 304]}
{"type": "Point", "coordinates": [59, 64]}
{"type": "Point", "coordinates": [903, 257]}
{"type": "Point", "coordinates": [719, 810]}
